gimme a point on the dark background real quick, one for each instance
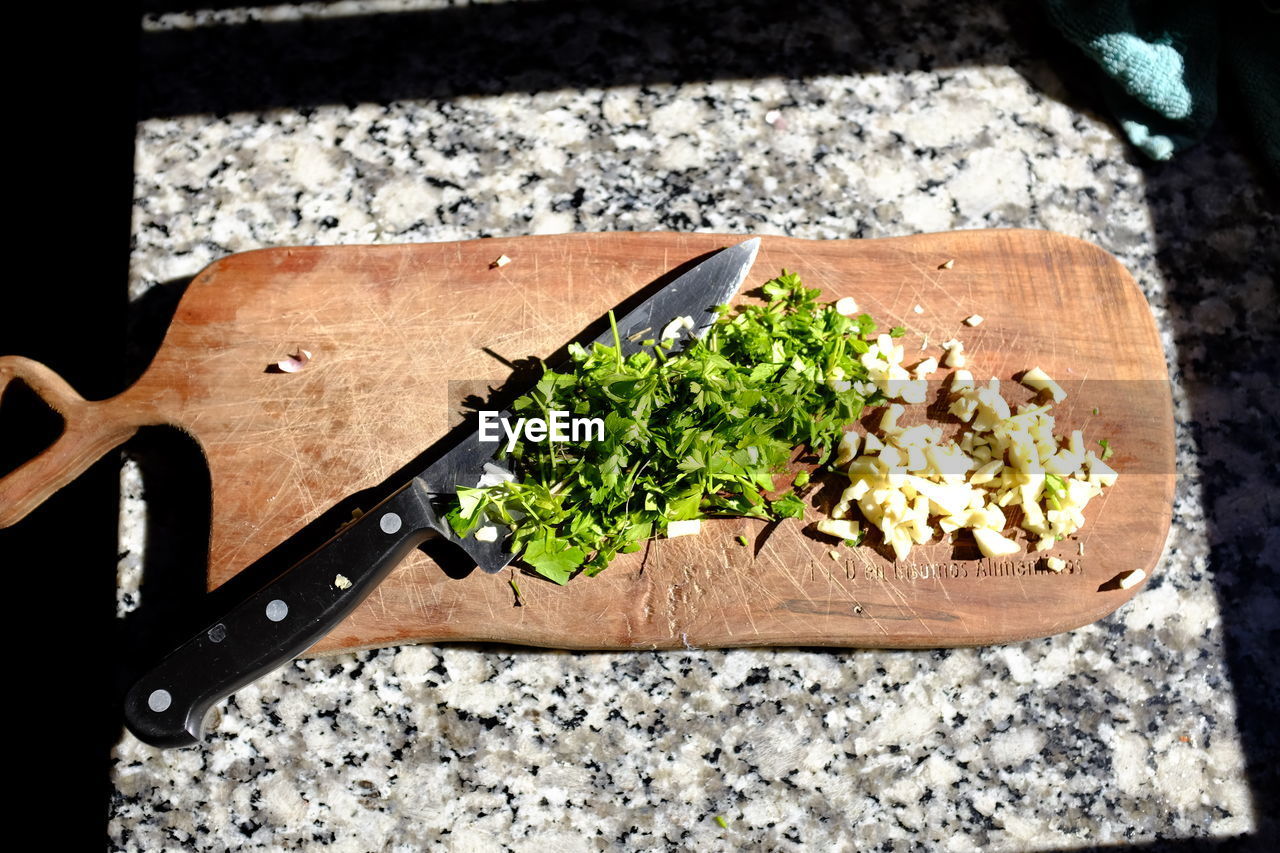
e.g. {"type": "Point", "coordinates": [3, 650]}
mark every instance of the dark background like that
{"type": "Point", "coordinates": [72, 116]}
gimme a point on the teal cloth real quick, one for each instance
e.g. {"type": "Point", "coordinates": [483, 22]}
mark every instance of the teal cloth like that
{"type": "Point", "coordinates": [1167, 65]}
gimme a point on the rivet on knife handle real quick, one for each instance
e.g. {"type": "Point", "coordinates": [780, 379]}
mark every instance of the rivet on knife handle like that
{"type": "Point", "coordinates": [168, 705]}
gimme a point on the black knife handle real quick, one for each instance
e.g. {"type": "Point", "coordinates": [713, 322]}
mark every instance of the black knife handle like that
{"type": "Point", "coordinates": [167, 706]}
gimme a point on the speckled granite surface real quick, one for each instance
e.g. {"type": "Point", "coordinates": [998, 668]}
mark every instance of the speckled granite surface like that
{"type": "Point", "coordinates": [1138, 728]}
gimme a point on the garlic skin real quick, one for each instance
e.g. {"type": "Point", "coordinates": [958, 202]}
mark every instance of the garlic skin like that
{"type": "Point", "coordinates": [294, 363]}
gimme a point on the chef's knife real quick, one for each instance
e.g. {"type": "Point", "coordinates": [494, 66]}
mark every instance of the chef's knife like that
{"type": "Point", "coordinates": [167, 706]}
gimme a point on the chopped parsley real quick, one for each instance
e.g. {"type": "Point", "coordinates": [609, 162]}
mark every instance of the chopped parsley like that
{"type": "Point", "coordinates": [1055, 490]}
{"type": "Point", "coordinates": [1106, 449]}
{"type": "Point", "coordinates": [701, 433]}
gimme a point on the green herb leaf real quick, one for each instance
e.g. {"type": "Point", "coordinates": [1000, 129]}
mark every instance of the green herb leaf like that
{"type": "Point", "coordinates": [1106, 449]}
{"type": "Point", "coordinates": [789, 506]}
{"type": "Point", "coordinates": [1054, 491]}
{"type": "Point", "coordinates": [467, 516]}
{"type": "Point", "coordinates": [1054, 485]}
{"type": "Point", "coordinates": [552, 557]}
{"type": "Point", "coordinates": [897, 331]}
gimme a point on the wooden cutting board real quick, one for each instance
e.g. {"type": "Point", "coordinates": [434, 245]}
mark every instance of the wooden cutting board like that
{"type": "Point", "coordinates": [400, 334]}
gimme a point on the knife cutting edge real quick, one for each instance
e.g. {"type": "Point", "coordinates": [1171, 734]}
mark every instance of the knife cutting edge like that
{"type": "Point", "coordinates": [167, 706]}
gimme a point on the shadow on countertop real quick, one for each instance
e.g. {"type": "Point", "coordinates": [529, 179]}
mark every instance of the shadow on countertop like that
{"type": "Point", "coordinates": [1219, 255]}
{"type": "Point", "coordinates": [1208, 249]}
{"type": "Point", "coordinates": [544, 45]}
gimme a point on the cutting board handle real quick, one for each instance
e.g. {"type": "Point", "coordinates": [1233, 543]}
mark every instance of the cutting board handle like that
{"type": "Point", "coordinates": [90, 429]}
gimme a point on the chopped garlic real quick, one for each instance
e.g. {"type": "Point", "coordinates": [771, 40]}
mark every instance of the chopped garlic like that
{"type": "Point", "coordinates": [839, 528]}
{"type": "Point", "coordinates": [683, 528]}
{"type": "Point", "coordinates": [673, 328]}
{"type": "Point", "coordinates": [974, 320]}
{"type": "Point", "coordinates": [926, 368]}
{"type": "Point", "coordinates": [500, 261]}
{"type": "Point", "coordinates": [1131, 579]}
{"type": "Point", "coordinates": [848, 448]}
{"type": "Point", "coordinates": [883, 363]}
{"type": "Point", "coordinates": [919, 309]}
{"type": "Point", "coordinates": [342, 582]}
{"type": "Point", "coordinates": [494, 475]}
{"type": "Point", "coordinates": [1099, 471]}
{"type": "Point", "coordinates": [1038, 380]}
{"type": "Point", "coordinates": [907, 476]}
{"type": "Point", "coordinates": [992, 544]}
{"type": "Point", "coordinates": [987, 472]}
{"type": "Point", "coordinates": [913, 392]}
{"type": "Point", "coordinates": [955, 354]}
{"type": "Point", "coordinates": [487, 534]}
{"type": "Point", "coordinates": [947, 264]}
{"type": "Point", "coordinates": [846, 306]}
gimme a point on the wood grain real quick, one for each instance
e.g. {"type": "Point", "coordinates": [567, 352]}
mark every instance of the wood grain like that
{"type": "Point", "coordinates": [396, 331]}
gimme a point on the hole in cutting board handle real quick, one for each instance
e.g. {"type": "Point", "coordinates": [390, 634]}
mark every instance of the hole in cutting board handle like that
{"type": "Point", "coordinates": [90, 429]}
{"type": "Point", "coordinates": [29, 425]}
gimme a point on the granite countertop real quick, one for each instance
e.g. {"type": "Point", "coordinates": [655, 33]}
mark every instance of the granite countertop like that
{"type": "Point", "coordinates": [1143, 726]}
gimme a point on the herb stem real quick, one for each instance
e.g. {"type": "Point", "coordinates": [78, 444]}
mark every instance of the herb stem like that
{"type": "Point", "coordinates": [617, 341]}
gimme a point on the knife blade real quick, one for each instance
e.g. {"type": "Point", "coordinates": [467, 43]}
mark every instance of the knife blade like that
{"type": "Point", "coordinates": [167, 706]}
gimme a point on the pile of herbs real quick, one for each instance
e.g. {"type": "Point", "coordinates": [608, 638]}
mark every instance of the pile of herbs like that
{"type": "Point", "coordinates": [698, 433]}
